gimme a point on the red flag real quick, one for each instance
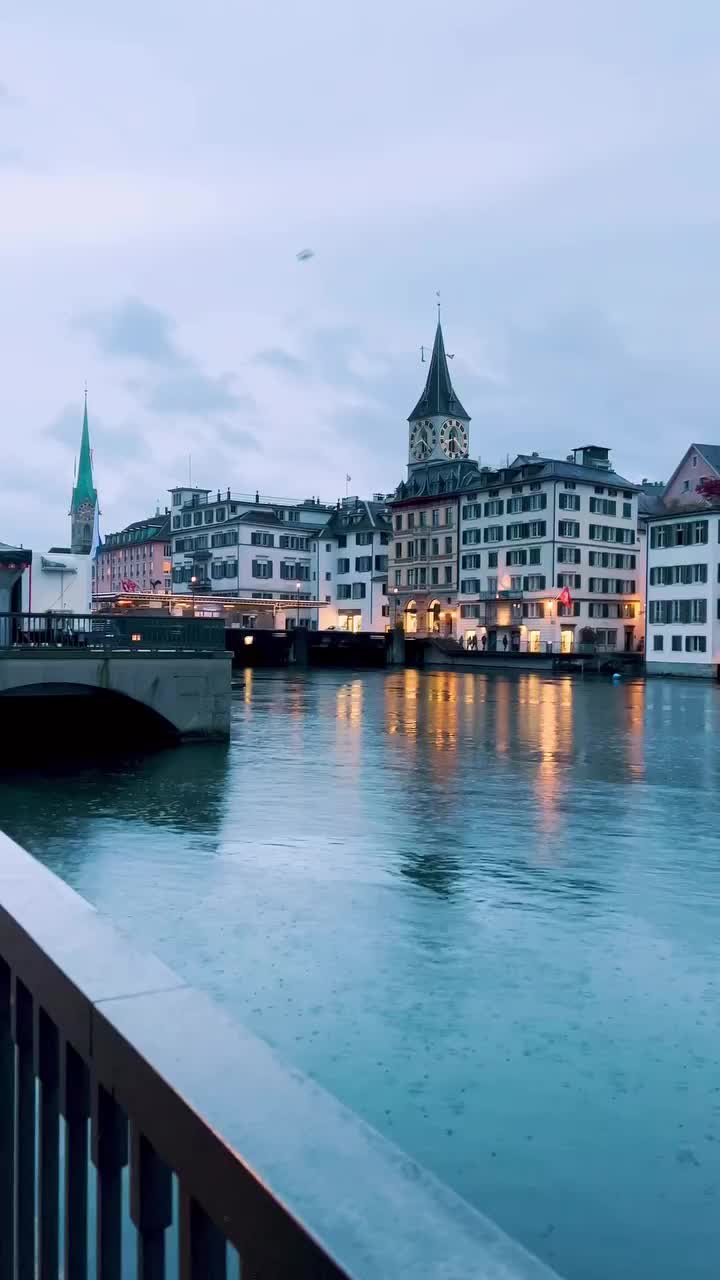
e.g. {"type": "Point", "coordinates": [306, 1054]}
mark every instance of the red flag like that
{"type": "Point", "coordinates": [565, 597]}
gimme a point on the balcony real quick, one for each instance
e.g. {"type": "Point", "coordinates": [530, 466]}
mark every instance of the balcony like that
{"type": "Point", "coordinates": [229, 1151]}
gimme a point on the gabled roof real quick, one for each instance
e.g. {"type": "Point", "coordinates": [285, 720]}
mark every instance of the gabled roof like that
{"type": "Point", "coordinates": [438, 399]}
{"type": "Point", "coordinates": [362, 516]}
{"type": "Point", "coordinates": [263, 517]}
{"type": "Point", "coordinates": [539, 468]}
{"type": "Point", "coordinates": [438, 480]}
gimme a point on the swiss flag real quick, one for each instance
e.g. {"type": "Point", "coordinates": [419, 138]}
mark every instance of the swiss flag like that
{"type": "Point", "coordinates": [565, 597]}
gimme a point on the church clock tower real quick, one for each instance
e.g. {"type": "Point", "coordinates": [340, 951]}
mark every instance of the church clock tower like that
{"type": "Point", "coordinates": [84, 497]}
{"type": "Point", "coordinates": [438, 425]}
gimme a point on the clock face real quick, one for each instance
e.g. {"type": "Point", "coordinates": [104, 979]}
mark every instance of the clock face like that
{"type": "Point", "coordinates": [422, 440]}
{"type": "Point", "coordinates": [454, 439]}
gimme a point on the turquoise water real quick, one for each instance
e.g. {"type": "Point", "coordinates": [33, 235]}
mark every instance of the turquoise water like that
{"type": "Point", "coordinates": [483, 910]}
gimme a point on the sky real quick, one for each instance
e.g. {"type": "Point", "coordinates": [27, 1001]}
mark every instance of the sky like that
{"type": "Point", "coordinates": [550, 168]}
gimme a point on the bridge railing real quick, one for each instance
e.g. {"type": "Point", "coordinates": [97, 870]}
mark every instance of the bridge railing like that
{"type": "Point", "coordinates": [32, 632]}
{"type": "Point", "coordinates": [226, 1151]}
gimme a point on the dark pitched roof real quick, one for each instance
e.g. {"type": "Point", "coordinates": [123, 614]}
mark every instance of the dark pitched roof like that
{"type": "Point", "coordinates": [438, 398]}
{"type": "Point", "coordinates": [152, 529]}
{"type": "Point", "coordinates": [436, 481]}
{"type": "Point", "coordinates": [262, 517]}
{"type": "Point", "coordinates": [361, 516]}
{"type": "Point", "coordinates": [556, 468]}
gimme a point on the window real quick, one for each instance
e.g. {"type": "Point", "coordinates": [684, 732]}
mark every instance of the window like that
{"type": "Point", "coordinates": [177, 499]}
{"type": "Point", "coordinates": [364, 539]}
{"type": "Point", "coordinates": [676, 644]}
{"type": "Point", "coordinates": [685, 534]}
{"type": "Point", "coordinates": [358, 590]}
{"type": "Point", "coordinates": [434, 546]}
{"type": "Point", "coordinates": [262, 568]}
{"type": "Point", "coordinates": [603, 506]}
{"type": "Point", "coordinates": [469, 611]}
{"type": "Point", "coordinates": [534, 582]}
{"type": "Point", "coordinates": [627, 510]}
{"type": "Point", "coordinates": [448, 515]}
{"type": "Point", "coordinates": [664, 611]}
{"type": "Point", "coordinates": [448, 574]}
{"type": "Point", "coordinates": [343, 565]}
{"type": "Point", "coordinates": [363, 564]}
{"type": "Point", "coordinates": [209, 516]}
{"type": "Point", "coordinates": [470, 586]}
{"type": "Point", "coordinates": [187, 519]}
{"type": "Point", "coordinates": [694, 461]}
{"type": "Point", "coordinates": [658, 643]}
{"type": "Point", "coordinates": [569, 580]}
{"type": "Point", "coordinates": [609, 533]}
{"type": "Point", "coordinates": [533, 609]}
{"type": "Point", "coordinates": [435, 576]}
{"type": "Point", "coordinates": [571, 555]}
{"type": "Point", "coordinates": [259, 538]}
{"type": "Point", "coordinates": [398, 577]}
{"type": "Point", "coordinates": [569, 501]}
{"type": "Point", "coordinates": [517, 488]}
{"type": "Point", "coordinates": [435, 519]}
{"type": "Point", "coordinates": [534, 555]}
{"type": "Point", "coordinates": [384, 538]}
{"type": "Point", "coordinates": [398, 550]}
{"type": "Point", "coordinates": [177, 522]}
{"type": "Point", "coordinates": [448, 546]}
{"type": "Point", "coordinates": [381, 564]}
{"type": "Point", "coordinates": [514, 504]}
{"type": "Point", "coordinates": [341, 540]}
{"type": "Point", "coordinates": [666, 575]}
{"type": "Point", "coordinates": [492, 559]}
{"type": "Point", "coordinates": [344, 591]}
{"type": "Point", "coordinates": [568, 529]}
{"type": "Point", "coordinates": [422, 519]}
{"type": "Point", "coordinates": [328, 577]}
{"type": "Point", "coordinates": [493, 508]}
{"type": "Point", "coordinates": [569, 484]}
{"type": "Point", "coordinates": [517, 555]}
{"type": "Point", "coordinates": [493, 533]}
{"type": "Point", "coordinates": [398, 521]}
{"type": "Point", "coordinates": [411, 520]}
{"type": "Point", "coordinates": [695, 644]}
{"type": "Point", "coordinates": [516, 583]}
{"type": "Point", "coordinates": [471, 561]}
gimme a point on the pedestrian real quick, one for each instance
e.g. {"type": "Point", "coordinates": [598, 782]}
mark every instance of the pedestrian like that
{"type": "Point", "coordinates": [505, 643]}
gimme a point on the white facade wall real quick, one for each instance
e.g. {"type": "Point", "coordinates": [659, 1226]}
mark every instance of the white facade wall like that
{"type": "Point", "coordinates": [343, 568]}
{"type": "Point", "coordinates": [553, 550]}
{"type": "Point", "coordinates": [688, 642]}
{"type": "Point", "coordinates": [47, 587]}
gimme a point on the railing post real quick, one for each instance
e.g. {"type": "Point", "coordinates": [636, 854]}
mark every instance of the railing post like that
{"type": "Point", "coordinates": [47, 1070]}
{"type": "Point", "coordinates": [75, 1108]}
{"type": "Point", "coordinates": [203, 1251]}
{"type": "Point", "coordinates": [7, 1129]}
{"type": "Point", "coordinates": [110, 1154]}
{"type": "Point", "coordinates": [150, 1205]}
{"type": "Point", "coordinates": [22, 1030]}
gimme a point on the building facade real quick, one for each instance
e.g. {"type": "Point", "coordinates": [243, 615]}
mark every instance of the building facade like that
{"type": "Point", "coordinates": [352, 566]}
{"type": "Point", "coordinates": [550, 556]}
{"type": "Point", "coordinates": [137, 559]}
{"type": "Point", "coordinates": [243, 547]}
{"type": "Point", "coordinates": [425, 509]}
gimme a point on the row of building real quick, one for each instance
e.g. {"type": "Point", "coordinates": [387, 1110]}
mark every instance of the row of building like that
{"type": "Point", "coordinates": [541, 554]}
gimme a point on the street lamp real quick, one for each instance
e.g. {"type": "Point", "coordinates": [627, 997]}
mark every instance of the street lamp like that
{"type": "Point", "coordinates": [193, 584]}
{"type": "Point", "coordinates": [395, 598]}
{"type": "Point", "coordinates": [297, 588]}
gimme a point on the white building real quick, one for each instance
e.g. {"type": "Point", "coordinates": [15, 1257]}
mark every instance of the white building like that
{"type": "Point", "coordinates": [352, 566]}
{"type": "Point", "coordinates": [683, 571]}
{"type": "Point", "coordinates": [549, 556]}
{"type": "Point", "coordinates": [239, 546]}
{"type": "Point", "coordinates": [58, 581]}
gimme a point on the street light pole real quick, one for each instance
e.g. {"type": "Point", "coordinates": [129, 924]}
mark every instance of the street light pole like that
{"type": "Point", "coordinates": [193, 584]}
{"type": "Point", "coordinates": [297, 620]}
{"type": "Point", "coordinates": [395, 598]}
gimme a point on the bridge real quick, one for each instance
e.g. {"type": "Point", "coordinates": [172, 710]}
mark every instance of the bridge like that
{"type": "Point", "coordinates": [106, 680]}
{"type": "Point", "coordinates": [107, 1056]}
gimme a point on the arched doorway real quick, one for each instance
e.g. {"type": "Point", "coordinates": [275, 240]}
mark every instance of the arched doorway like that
{"type": "Point", "coordinates": [411, 618]}
{"type": "Point", "coordinates": [433, 618]}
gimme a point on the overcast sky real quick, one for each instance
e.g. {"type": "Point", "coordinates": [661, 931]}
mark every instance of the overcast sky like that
{"type": "Point", "coordinates": [551, 166]}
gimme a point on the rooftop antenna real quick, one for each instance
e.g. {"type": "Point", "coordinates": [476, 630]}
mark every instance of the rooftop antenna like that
{"type": "Point", "coordinates": [190, 470]}
{"type": "Point", "coordinates": [347, 485]}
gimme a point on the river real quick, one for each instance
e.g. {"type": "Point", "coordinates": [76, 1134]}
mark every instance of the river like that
{"type": "Point", "coordinates": [483, 910]}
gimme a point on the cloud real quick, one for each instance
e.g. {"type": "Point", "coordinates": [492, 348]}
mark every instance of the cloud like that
{"type": "Point", "coordinates": [136, 331]}
{"type": "Point", "coordinates": [283, 361]}
{"type": "Point", "coordinates": [175, 383]}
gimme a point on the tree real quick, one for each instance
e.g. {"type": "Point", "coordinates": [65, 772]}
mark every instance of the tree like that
{"type": "Point", "coordinates": [708, 488]}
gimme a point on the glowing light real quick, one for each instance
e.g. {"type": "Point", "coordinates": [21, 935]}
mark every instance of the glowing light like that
{"type": "Point", "coordinates": [248, 639]}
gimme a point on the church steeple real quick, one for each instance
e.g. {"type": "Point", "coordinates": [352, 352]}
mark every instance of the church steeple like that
{"type": "Point", "coordinates": [438, 399]}
{"type": "Point", "coordinates": [84, 495]}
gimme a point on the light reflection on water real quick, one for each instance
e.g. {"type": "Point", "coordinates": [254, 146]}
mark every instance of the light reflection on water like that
{"type": "Point", "coordinates": [482, 910]}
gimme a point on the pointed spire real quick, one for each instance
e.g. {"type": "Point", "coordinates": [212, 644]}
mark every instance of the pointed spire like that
{"type": "Point", "coordinates": [438, 399]}
{"type": "Point", "coordinates": [84, 489]}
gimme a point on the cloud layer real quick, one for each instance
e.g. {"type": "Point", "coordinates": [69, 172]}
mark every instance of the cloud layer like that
{"type": "Point", "coordinates": [160, 173]}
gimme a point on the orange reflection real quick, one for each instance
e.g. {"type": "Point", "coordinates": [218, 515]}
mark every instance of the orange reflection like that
{"type": "Point", "coordinates": [635, 702]}
{"type": "Point", "coordinates": [555, 726]}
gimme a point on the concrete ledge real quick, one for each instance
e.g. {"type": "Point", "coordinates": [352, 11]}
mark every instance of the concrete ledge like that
{"type": "Point", "coordinates": [698, 670]}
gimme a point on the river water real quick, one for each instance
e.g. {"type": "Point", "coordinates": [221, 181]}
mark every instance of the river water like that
{"type": "Point", "coordinates": [483, 910]}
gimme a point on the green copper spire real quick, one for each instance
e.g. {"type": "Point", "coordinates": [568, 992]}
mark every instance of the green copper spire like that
{"type": "Point", "coordinates": [84, 490]}
{"type": "Point", "coordinates": [438, 399]}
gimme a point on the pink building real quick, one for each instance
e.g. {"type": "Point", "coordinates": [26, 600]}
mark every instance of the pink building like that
{"type": "Point", "coordinates": [700, 462]}
{"type": "Point", "coordinates": [138, 559]}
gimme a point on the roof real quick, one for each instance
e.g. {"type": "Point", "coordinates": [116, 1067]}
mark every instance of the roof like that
{"type": "Point", "coordinates": [262, 517]}
{"type": "Point", "coordinates": [153, 529]}
{"type": "Point", "coordinates": [678, 512]}
{"type": "Point", "coordinates": [438, 399]}
{"type": "Point", "coordinates": [711, 454]}
{"type": "Point", "coordinates": [362, 516]}
{"type": "Point", "coordinates": [435, 480]}
{"type": "Point", "coordinates": [14, 555]}
{"type": "Point", "coordinates": [540, 468]}
{"type": "Point", "coordinates": [84, 489]}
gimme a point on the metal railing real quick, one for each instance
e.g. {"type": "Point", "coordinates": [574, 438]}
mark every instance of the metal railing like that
{"type": "Point", "coordinates": [260, 1161]}
{"type": "Point", "coordinates": [129, 633]}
